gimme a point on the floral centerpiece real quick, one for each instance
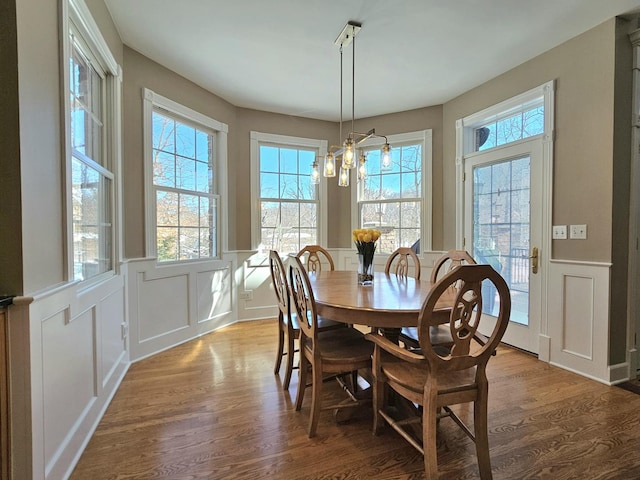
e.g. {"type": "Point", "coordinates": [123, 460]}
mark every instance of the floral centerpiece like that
{"type": "Point", "coordinates": [365, 240]}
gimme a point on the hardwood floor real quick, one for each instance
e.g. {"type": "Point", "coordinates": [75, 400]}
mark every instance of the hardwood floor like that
{"type": "Point", "coordinates": [213, 409]}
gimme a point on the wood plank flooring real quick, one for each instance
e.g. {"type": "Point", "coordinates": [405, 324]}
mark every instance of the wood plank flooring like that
{"type": "Point", "coordinates": [213, 409]}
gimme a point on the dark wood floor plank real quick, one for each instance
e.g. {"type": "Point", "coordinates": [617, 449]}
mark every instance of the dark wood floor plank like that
{"type": "Point", "coordinates": [212, 409]}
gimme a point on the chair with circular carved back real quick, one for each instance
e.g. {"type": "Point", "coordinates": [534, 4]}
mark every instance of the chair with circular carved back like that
{"type": "Point", "coordinates": [335, 352]}
{"type": "Point", "coordinates": [401, 261]}
{"type": "Point", "coordinates": [288, 328]}
{"type": "Point", "coordinates": [316, 257]}
{"type": "Point", "coordinates": [437, 378]}
{"type": "Point", "coordinates": [444, 264]}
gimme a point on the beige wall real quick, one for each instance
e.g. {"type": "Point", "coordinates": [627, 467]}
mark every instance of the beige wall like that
{"type": "Point", "coordinates": [621, 190]}
{"type": "Point", "coordinates": [10, 209]}
{"type": "Point", "coordinates": [141, 72]}
{"type": "Point", "coordinates": [41, 164]}
{"type": "Point", "coordinates": [103, 19]}
{"type": "Point", "coordinates": [583, 68]}
{"type": "Point", "coordinates": [40, 139]}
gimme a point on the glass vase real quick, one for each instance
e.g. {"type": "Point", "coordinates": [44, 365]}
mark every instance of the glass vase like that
{"type": "Point", "coordinates": [365, 269]}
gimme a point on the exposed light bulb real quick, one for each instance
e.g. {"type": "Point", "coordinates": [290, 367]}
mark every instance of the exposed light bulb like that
{"type": "Point", "coordinates": [362, 168]}
{"type": "Point", "coordinates": [386, 155]}
{"type": "Point", "coordinates": [343, 179]}
{"type": "Point", "coordinates": [329, 165]}
{"type": "Point", "coordinates": [347, 156]}
{"type": "Point", "coordinates": [315, 174]}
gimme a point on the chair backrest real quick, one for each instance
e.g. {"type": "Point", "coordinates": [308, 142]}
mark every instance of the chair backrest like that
{"type": "Point", "coordinates": [461, 289]}
{"type": "Point", "coordinates": [303, 301]}
{"type": "Point", "coordinates": [316, 256]}
{"type": "Point", "coordinates": [449, 261]}
{"type": "Point", "coordinates": [279, 278]}
{"type": "Point", "coordinates": [400, 261]}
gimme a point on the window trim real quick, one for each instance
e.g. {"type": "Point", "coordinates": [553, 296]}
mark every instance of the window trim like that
{"type": "Point", "coordinates": [151, 100]}
{"type": "Point", "coordinates": [75, 16]}
{"type": "Point", "coordinates": [258, 138]}
{"type": "Point", "coordinates": [426, 222]}
{"type": "Point", "coordinates": [465, 145]}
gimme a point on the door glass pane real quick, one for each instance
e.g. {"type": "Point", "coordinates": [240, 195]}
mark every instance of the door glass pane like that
{"type": "Point", "coordinates": [501, 202]}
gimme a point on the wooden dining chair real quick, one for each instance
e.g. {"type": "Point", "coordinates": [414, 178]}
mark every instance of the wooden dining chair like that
{"type": "Point", "coordinates": [401, 261]}
{"type": "Point", "coordinates": [336, 351]}
{"type": "Point", "coordinates": [288, 329]}
{"type": "Point", "coordinates": [436, 379]}
{"type": "Point", "coordinates": [444, 264]}
{"type": "Point", "coordinates": [449, 261]}
{"type": "Point", "coordinates": [316, 257]}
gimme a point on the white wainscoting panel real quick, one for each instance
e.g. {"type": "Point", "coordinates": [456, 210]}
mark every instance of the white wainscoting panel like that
{"type": "Point", "coordinates": [69, 381]}
{"type": "Point", "coordinates": [78, 358]}
{"type": "Point", "coordinates": [254, 282]}
{"type": "Point", "coordinates": [578, 315]}
{"type": "Point", "coordinates": [112, 330]}
{"type": "Point", "coordinates": [171, 304]}
{"type": "Point", "coordinates": [163, 304]}
{"type": "Point", "coordinates": [215, 294]}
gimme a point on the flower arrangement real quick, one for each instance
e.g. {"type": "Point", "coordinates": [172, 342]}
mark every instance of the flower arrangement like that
{"type": "Point", "coordinates": [365, 240]}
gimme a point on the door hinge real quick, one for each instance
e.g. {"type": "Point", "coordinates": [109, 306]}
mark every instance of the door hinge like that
{"type": "Point", "coordinates": [464, 177]}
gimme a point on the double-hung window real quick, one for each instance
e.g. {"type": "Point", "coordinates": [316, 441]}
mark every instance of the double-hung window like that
{"type": "Point", "coordinates": [396, 198]}
{"type": "Point", "coordinates": [183, 153]}
{"type": "Point", "coordinates": [93, 104]}
{"type": "Point", "coordinates": [289, 203]}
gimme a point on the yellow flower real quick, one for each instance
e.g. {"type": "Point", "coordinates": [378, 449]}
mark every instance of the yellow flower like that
{"type": "Point", "coordinates": [365, 235]}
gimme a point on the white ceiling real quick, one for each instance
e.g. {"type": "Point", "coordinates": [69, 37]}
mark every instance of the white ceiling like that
{"type": "Point", "coordinates": [280, 56]}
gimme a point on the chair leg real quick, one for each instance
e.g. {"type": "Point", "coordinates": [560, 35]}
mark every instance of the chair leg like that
{"type": "Point", "coordinates": [316, 399]}
{"type": "Point", "coordinates": [379, 402]}
{"type": "Point", "coordinates": [480, 425]}
{"type": "Point", "coordinates": [280, 350]}
{"type": "Point", "coordinates": [290, 355]}
{"type": "Point", "coordinates": [354, 382]}
{"type": "Point", "coordinates": [302, 380]}
{"type": "Point", "coordinates": [429, 409]}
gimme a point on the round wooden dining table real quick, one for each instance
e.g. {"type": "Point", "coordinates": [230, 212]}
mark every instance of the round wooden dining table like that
{"type": "Point", "coordinates": [392, 302]}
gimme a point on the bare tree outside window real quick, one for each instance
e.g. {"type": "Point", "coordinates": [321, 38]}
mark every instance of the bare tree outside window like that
{"type": "Point", "coordinates": [91, 179]}
{"type": "Point", "coordinates": [390, 198]}
{"type": "Point", "coordinates": [183, 179]}
{"type": "Point", "coordinates": [524, 124]}
{"type": "Point", "coordinates": [288, 200]}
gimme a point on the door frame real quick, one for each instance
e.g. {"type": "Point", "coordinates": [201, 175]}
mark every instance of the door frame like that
{"type": "Point", "coordinates": [633, 301]}
{"type": "Point", "coordinates": [465, 144]}
{"type": "Point", "coordinates": [518, 335]}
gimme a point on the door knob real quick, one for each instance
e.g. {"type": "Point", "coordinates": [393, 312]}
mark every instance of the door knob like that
{"type": "Point", "coordinates": [534, 260]}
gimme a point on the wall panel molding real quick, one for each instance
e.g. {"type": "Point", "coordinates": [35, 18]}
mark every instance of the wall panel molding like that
{"type": "Point", "coordinates": [579, 318]}
{"type": "Point", "coordinates": [171, 304]}
{"type": "Point", "coordinates": [76, 358]}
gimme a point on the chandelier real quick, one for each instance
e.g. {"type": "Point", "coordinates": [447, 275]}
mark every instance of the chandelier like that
{"type": "Point", "coordinates": [347, 152]}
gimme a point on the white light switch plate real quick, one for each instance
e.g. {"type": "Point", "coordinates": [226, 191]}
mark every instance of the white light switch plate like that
{"type": "Point", "coordinates": [559, 232]}
{"type": "Point", "coordinates": [578, 232]}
